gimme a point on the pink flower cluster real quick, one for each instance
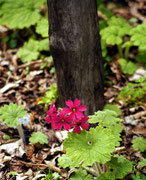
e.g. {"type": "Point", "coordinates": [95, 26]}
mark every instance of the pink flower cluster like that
{"type": "Point", "coordinates": [68, 117]}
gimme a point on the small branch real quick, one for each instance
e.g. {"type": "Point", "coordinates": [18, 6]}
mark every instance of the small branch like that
{"type": "Point", "coordinates": [21, 133]}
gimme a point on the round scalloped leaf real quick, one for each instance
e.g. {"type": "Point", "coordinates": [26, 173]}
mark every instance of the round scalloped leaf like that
{"type": "Point", "coordinates": [64, 161]}
{"type": "Point", "coordinates": [107, 176]}
{"type": "Point", "coordinates": [128, 67]}
{"type": "Point", "coordinates": [11, 114]}
{"type": "Point", "coordinates": [120, 165]}
{"type": "Point", "coordinates": [38, 137]}
{"type": "Point", "coordinates": [44, 45]}
{"type": "Point", "coordinates": [90, 146]}
{"type": "Point", "coordinates": [111, 35]}
{"type": "Point", "coordinates": [114, 108]}
{"type": "Point", "coordinates": [138, 176]}
{"type": "Point", "coordinates": [29, 51]}
{"type": "Point", "coordinates": [138, 36]}
{"type": "Point", "coordinates": [42, 27]}
{"type": "Point", "coordinates": [142, 163]}
{"type": "Point", "coordinates": [80, 175]}
{"type": "Point", "coordinates": [105, 118]}
{"type": "Point", "coordinates": [139, 143]}
{"type": "Point", "coordinates": [20, 14]}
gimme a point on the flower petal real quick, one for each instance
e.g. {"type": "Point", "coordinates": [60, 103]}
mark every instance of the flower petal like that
{"type": "Point", "coordinates": [69, 103]}
{"type": "Point", "coordinates": [79, 115]}
{"type": "Point", "coordinates": [77, 102]}
{"type": "Point", "coordinates": [84, 119]}
{"type": "Point", "coordinates": [58, 126]}
{"type": "Point", "coordinates": [48, 119]}
{"type": "Point", "coordinates": [85, 126]}
{"type": "Point", "coordinates": [82, 108]}
{"type": "Point", "coordinates": [67, 126]}
{"type": "Point", "coordinates": [77, 130]}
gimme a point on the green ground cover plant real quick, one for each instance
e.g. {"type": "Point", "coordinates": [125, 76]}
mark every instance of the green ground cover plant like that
{"type": "Point", "coordinates": [133, 93]}
{"type": "Point", "coordinates": [87, 150]}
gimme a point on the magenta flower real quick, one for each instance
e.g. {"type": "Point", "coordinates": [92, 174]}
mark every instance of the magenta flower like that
{"type": "Point", "coordinates": [81, 124]}
{"type": "Point", "coordinates": [61, 120]}
{"type": "Point", "coordinates": [52, 112]}
{"type": "Point", "coordinates": [75, 108]}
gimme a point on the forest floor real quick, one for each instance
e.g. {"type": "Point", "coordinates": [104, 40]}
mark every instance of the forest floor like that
{"type": "Point", "coordinates": [26, 88]}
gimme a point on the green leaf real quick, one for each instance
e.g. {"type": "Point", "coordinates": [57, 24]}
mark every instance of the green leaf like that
{"type": "Point", "coordinates": [56, 175]}
{"type": "Point", "coordinates": [80, 175]}
{"type": "Point", "coordinates": [11, 113]}
{"type": "Point", "coordinates": [108, 119]}
{"type": "Point", "coordinates": [43, 27]}
{"type": "Point", "coordinates": [139, 143]}
{"type": "Point", "coordinates": [50, 96]}
{"type": "Point", "coordinates": [107, 176]}
{"type": "Point", "coordinates": [13, 173]}
{"type": "Point", "coordinates": [111, 35]}
{"type": "Point", "coordinates": [138, 36]}
{"type": "Point", "coordinates": [113, 108]}
{"type": "Point", "coordinates": [121, 23]}
{"type": "Point", "coordinates": [20, 14]}
{"type": "Point", "coordinates": [90, 146]}
{"type": "Point", "coordinates": [138, 176]}
{"type": "Point", "coordinates": [38, 137]}
{"type": "Point", "coordinates": [141, 57]}
{"type": "Point", "coordinates": [128, 67]}
{"type": "Point", "coordinates": [120, 165]}
{"type": "Point", "coordinates": [142, 163]}
{"type": "Point", "coordinates": [6, 137]}
{"type": "Point", "coordinates": [44, 45]}
{"type": "Point", "coordinates": [64, 161]}
{"type": "Point", "coordinates": [29, 51]}
{"type": "Point", "coordinates": [105, 118]}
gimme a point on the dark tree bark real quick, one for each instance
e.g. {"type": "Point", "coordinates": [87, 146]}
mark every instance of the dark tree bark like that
{"type": "Point", "coordinates": [75, 47]}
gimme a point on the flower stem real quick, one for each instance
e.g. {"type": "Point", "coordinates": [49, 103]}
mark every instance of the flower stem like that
{"type": "Point", "coordinates": [21, 133]}
{"type": "Point", "coordinates": [99, 168]}
{"type": "Point", "coordinates": [90, 170]}
{"type": "Point", "coordinates": [120, 50]}
{"type": "Point", "coordinates": [127, 51]}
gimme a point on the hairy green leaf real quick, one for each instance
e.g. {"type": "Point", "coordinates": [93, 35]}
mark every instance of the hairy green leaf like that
{"type": "Point", "coordinates": [85, 148]}
{"type": "Point", "coordinates": [11, 113]}
{"type": "Point", "coordinates": [141, 57]}
{"type": "Point", "coordinates": [138, 176]}
{"type": "Point", "coordinates": [113, 34]}
{"type": "Point", "coordinates": [20, 14]}
{"type": "Point", "coordinates": [29, 51]}
{"type": "Point", "coordinates": [107, 176]}
{"type": "Point", "coordinates": [120, 165]}
{"type": "Point", "coordinates": [44, 45]}
{"type": "Point", "coordinates": [64, 161]}
{"type": "Point", "coordinates": [105, 118]}
{"type": "Point", "coordinates": [113, 108]}
{"type": "Point", "coordinates": [128, 67]}
{"type": "Point", "coordinates": [138, 36]}
{"type": "Point", "coordinates": [142, 163]}
{"type": "Point", "coordinates": [38, 137]}
{"type": "Point", "coordinates": [42, 27]}
{"type": "Point", "coordinates": [80, 175]}
{"type": "Point", "coordinates": [139, 143]}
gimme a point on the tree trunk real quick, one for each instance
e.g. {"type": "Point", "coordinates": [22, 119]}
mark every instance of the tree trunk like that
{"type": "Point", "coordinates": [75, 47]}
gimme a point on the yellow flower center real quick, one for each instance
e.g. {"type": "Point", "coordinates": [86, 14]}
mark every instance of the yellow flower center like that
{"type": "Point", "coordinates": [74, 109]}
{"type": "Point", "coordinates": [62, 120]}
